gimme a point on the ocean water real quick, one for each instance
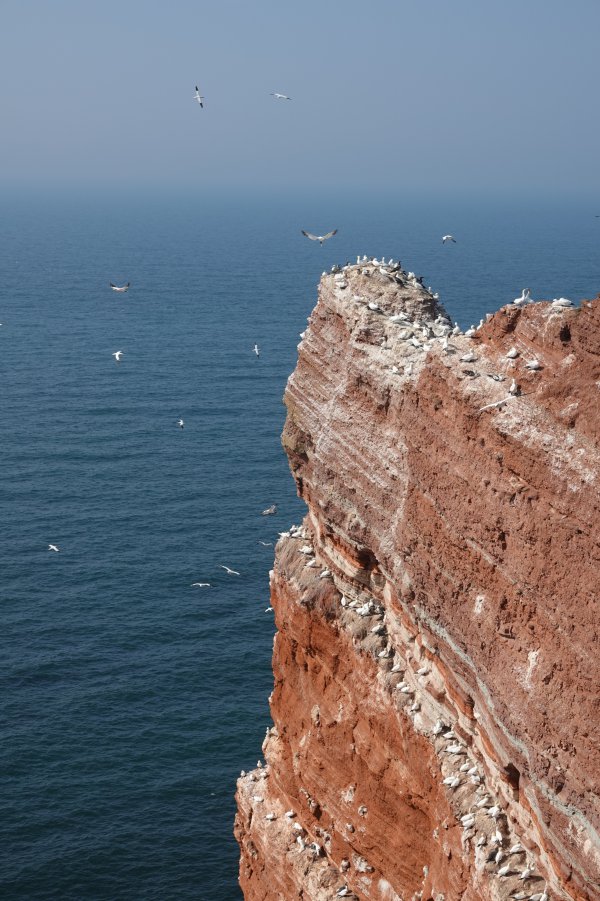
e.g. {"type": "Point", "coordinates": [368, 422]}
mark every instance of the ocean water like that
{"type": "Point", "coordinates": [129, 700]}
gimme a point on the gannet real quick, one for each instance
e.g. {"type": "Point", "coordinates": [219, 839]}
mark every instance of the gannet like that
{"type": "Point", "coordinates": [514, 389]}
{"type": "Point", "coordinates": [320, 238]}
{"type": "Point", "coordinates": [494, 812]}
{"type": "Point", "coordinates": [279, 96]}
{"type": "Point", "coordinates": [526, 874]}
{"type": "Point", "coordinates": [198, 97]}
{"type": "Point", "coordinates": [505, 870]}
{"type": "Point", "coordinates": [180, 423]}
{"type": "Point", "coordinates": [231, 572]}
{"type": "Point", "coordinates": [122, 289]}
{"type": "Point", "coordinates": [53, 547]}
{"type": "Point", "coordinates": [270, 510]}
{"type": "Point", "coordinates": [517, 849]}
{"type": "Point", "coordinates": [438, 728]}
{"type": "Point", "coordinates": [200, 584]}
{"type": "Point", "coordinates": [562, 302]}
{"type": "Point", "coordinates": [266, 543]}
{"type": "Point", "coordinates": [256, 350]}
{"type": "Point", "coordinates": [117, 355]}
{"type": "Point", "coordinates": [533, 365]}
{"type": "Point", "coordinates": [524, 298]}
{"type": "Point", "coordinates": [446, 238]}
{"type": "Point", "coordinates": [512, 354]}
{"type": "Point", "coordinates": [468, 358]}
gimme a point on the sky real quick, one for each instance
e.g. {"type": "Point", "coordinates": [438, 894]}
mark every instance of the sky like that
{"type": "Point", "coordinates": [420, 95]}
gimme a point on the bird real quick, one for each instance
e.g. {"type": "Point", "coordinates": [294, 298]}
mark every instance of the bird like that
{"type": "Point", "coordinates": [512, 354]}
{"type": "Point", "coordinates": [446, 238]}
{"type": "Point", "coordinates": [266, 543]}
{"type": "Point", "coordinates": [320, 238]}
{"type": "Point", "coordinates": [53, 547]}
{"type": "Point", "coordinates": [533, 365]}
{"type": "Point", "coordinates": [120, 290]}
{"type": "Point", "coordinates": [231, 572]}
{"type": "Point", "coordinates": [200, 585]}
{"type": "Point", "coordinates": [504, 871]}
{"type": "Point", "coordinates": [198, 97]}
{"type": "Point", "coordinates": [270, 510]}
{"type": "Point", "coordinates": [117, 355]}
{"type": "Point", "coordinates": [514, 389]}
{"type": "Point", "coordinates": [523, 299]}
{"type": "Point", "coordinates": [256, 350]}
{"type": "Point", "coordinates": [180, 423]}
{"type": "Point", "coordinates": [280, 96]}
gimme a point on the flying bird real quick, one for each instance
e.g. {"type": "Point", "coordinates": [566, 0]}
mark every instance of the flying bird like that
{"type": "Point", "coordinates": [266, 543]}
{"type": "Point", "coordinates": [280, 96]}
{"type": "Point", "coordinates": [200, 584]}
{"type": "Point", "coordinates": [319, 238]}
{"type": "Point", "coordinates": [117, 355]}
{"type": "Point", "coordinates": [256, 350]}
{"type": "Point", "coordinates": [446, 238]}
{"type": "Point", "coordinates": [270, 510]}
{"type": "Point", "coordinates": [53, 547]}
{"type": "Point", "coordinates": [120, 290]}
{"type": "Point", "coordinates": [232, 572]}
{"type": "Point", "coordinates": [180, 423]}
{"type": "Point", "coordinates": [198, 97]}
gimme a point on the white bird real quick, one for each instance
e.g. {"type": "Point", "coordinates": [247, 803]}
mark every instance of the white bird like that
{"type": "Point", "coordinates": [232, 572]}
{"type": "Point", "coordinates": [117, 355]}
{"type": "Point", "coordinates": [319, 238]}
{"type": "Point", "coordinates": [534, 365]}
{"type": "Point", "coordinates": [120, 290]}
{"type": "Point", "coordinates": [266, 543]}
{"type": "Point", "coordinates": [512, 354]}
{"type": "Point", "coordinates": [526, 874]}
{"type": "Point", "coordinates": [446, 238]}
{"type": "Point", "coordinates": [269, 610]}
{"type": "Point", "coordinates": [53, 547]}
{"type": "Point", "coordinates": [373, 306]}
{"type": "Point", "coordinates": [270, 510]}
{"type": "Point", "coordinates": [455, 749]}
{"type": "Point", "coordinates": [494, 812]}
{"type": "Point", "coordinates": [524, 298]}
{"type": "Point", "coordinates": [200, 584]}
{"type": "Point", "coordinates": [279, 96]}
{"type": "Point", "coordinates": [198, 97]}
{"type": "Point", "coordinates": [516, 849]}
{"type": "Point", "coordinates": [562, 302]}
{"type": "Point", "coordinates": [514, 389]}
{"type": "Point", "coordinates": [180, 423]}
{"type": "Point", "coordinates": [256, 349]}
{"type": "Point", "coordinates": [468, 358]}
{"type": "Point", "coordinates": [438, 728]}
{"type": "Point", "coordinates": [504, 871]}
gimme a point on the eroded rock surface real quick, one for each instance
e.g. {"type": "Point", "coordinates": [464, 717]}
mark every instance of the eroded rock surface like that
{"type": "Point", "coordinates": [436, 659]}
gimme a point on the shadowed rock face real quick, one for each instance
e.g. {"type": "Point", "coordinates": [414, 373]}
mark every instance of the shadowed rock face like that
{"type": "Point", "coordinates": [447, 573]}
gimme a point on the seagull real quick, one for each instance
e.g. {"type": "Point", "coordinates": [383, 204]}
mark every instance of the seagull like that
{"type": "Point", "coordinates": [446, 238]}
{"type": "Point", "coordinates": [256, 350]}
{"type": "Point", "coordinates": [117, 355]}
{"type": "Point", "coordinates": [231, 572]}
{"type": "Point", "coordinates": [122, 289]}
{"type": "Point", "coordinates": [319, 238]}
{"type": "Point", "coordinates": [266, 543]}
{"type": "Point", "coordinates": [270, 510]}
{"type": "Point", "coordinates": [53, 547]}
{"type": "Point", "coordinates": [200, 585]}
{"type": "Point", "coordinates": [180, 423]}
{"type": "Point", "coordinates": [198, 97]}
{"type": "Point", "coordinates": [280, 96]}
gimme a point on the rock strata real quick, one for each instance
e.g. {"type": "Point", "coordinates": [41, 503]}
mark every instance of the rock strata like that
{"type": "Point", "coordinates": [436, 668]}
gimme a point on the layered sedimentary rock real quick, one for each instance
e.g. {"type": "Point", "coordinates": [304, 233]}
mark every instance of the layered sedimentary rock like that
{"type": "Point", "coordinates": [436, 658]}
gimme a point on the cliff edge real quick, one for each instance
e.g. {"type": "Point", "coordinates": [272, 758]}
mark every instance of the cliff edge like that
{"type": "Point", "coordinates": [436, 661]}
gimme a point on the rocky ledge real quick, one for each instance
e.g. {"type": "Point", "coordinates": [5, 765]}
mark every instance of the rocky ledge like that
{"type": "Point", "coordinates": [436, 660]}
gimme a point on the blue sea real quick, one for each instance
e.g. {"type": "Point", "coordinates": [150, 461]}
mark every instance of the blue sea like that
{"type": "Point", "coordinates": [129, 700]}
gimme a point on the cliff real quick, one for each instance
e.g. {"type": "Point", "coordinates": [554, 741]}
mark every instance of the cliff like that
{"type": "Point", "coordinates": [436, 667]}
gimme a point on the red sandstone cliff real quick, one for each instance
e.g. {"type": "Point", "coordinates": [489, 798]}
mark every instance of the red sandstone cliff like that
{"type": "Point", "coordinates": [436, 659]}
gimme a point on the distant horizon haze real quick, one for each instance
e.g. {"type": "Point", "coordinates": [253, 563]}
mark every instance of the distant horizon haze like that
{"type": "Point", "coordinates": [395, 96]}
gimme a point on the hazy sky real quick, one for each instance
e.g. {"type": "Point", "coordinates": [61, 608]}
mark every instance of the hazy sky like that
{"type": "Point", "coordinates": [413, 94]}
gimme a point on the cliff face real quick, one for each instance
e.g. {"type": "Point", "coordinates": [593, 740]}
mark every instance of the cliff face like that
{"type": "Point", "coordinates": [436, 660]}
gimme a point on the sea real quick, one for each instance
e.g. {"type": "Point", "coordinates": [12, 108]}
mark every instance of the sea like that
{"type": "Point", "coordinates": [130, 700]}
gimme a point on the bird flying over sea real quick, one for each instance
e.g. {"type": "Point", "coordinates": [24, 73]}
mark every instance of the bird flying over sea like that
{"type": "Point", "coordinates": [270, 510]}
{"type": "Point", "coordinates": [180, 423]}
{"type": "Point", "coordinates": [231, 572]}
{"type": "Point", "coordinates": [319, 238]}
{"type": "Point", "coordinates": [280, 96]}
{"type": "Point", "coordinates": [446, 238]}
{"type": "Point", "coordinates": [200, 584]}
{"type": "Point", "coordinates": [122, 289]}
{"type": "Point", "coordinates": [117, 355]}
{"type": "Point", "coordinates": [199, 98]}
{"type": "Point", "coordinates": [53, 547]}
{"type": "Point", "coordinates": [266, 543]}
{"type": "Point", "coordinates": [256, 350]}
